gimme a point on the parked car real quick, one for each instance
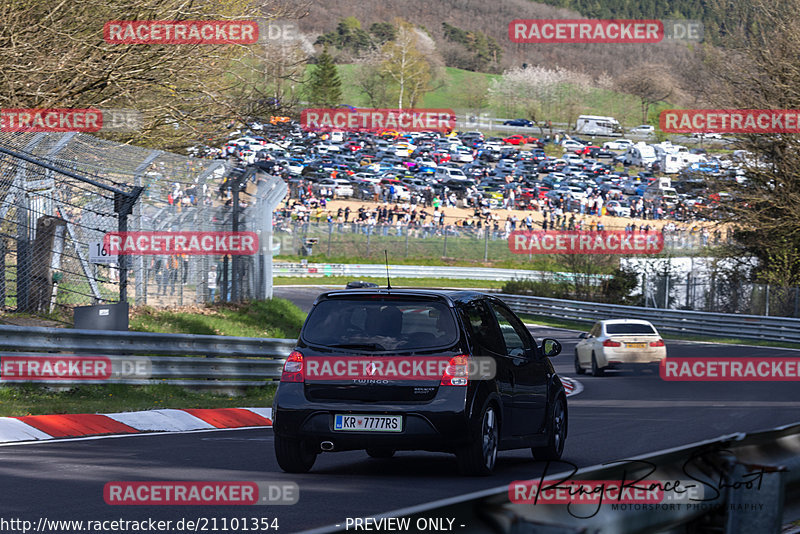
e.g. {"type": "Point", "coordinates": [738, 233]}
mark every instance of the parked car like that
{"type": "Point", "coordinates": [619, 208]}
{"type": "Point", "coordinates": [519, 122]}
{"type": "Point", "coordinates": [341, 188]}
{"type": "Point", "coordinates": [571, 144]}
{"type": "Point", "coordinates": [618, 144]}
{"type": "Point", "coordinates": [360, 284]}
{"type": "Point", "coordinates": [642, 129]}
{"type": "Point", "coordinates": [514, 400]}
{"type": "Point", "coordinates": [518, 139]}
{"type": "Point", "coordinates": [615, 343]}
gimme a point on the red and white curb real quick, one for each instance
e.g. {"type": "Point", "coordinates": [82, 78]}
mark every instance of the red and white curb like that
{"type": "Point", "coordinates": [47, 427]}
{"type": "Point", "coordinates": [61, 426]}
{"type": "Point", "coordinates": [571, 386]}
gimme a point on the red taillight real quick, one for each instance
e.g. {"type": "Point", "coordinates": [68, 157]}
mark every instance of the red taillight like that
{"type": "Point", "coordinates": [610, 343]}
{"type": "Point", "coordinates": [456, 372]}
{"type": "Point", "coordinates": [659, 343]}
{"type": "Point", "coordinates": [293, 368]}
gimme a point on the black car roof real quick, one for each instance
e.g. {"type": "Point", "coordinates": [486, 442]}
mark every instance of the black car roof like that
{"type": "Point", "coordinates": [452, 296]}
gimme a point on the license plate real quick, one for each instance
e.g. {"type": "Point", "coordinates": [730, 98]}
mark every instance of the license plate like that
{"type": "Point", "coordinates": [368, 423]}
{"type": "Point", "coordinates": [635, 345]}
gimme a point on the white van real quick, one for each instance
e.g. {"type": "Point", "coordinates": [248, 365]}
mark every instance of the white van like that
{"type": "Point", "coordinates": [667, 195]}
{"type": "Point", "coordinates": [598, 125]}
{"type": "Point", "coordinates": [640, 154]}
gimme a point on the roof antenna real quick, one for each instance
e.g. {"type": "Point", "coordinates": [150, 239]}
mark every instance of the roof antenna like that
{"type": "Point", "coordinates": [388, 282]}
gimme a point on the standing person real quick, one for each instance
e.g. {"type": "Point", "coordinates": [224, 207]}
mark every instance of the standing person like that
{"type": "Point", "coordinates": [162, 275]}
{"type": "Point", "coordinates": [212, 283]}
{"type": "Point", "coordinates": [173, 273]}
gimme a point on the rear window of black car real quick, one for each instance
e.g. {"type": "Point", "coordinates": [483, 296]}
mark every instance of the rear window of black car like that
{"type": "Point", "coordinates": [377, 324]}
{"type": "Point", "coordinates": [629, 328]}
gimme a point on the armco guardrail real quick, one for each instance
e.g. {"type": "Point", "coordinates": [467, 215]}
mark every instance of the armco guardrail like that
{"type": "Point", "coordinates": [417, 271]}
{"type": "Point", "coordinates": [744, 481]}
{"type": "Point", "coordinates": [680, 321]}
{"type": "Point", "coordinates": [213, 362]}
{"type": "Point", "coordinates": [22, 338]}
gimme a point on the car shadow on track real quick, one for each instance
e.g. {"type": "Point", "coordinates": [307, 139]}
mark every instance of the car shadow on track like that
{"type": "Point", "coordinates": [415, 464]}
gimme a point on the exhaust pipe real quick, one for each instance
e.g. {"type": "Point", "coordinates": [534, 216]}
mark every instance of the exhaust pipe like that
{"type": "Point", "coordinates": [326, 446]}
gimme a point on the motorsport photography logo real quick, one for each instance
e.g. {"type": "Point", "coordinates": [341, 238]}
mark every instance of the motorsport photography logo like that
{"type": "Point", "coordinates": [69, 120]}
{"type": "Point", "coordinates": [623, 31]}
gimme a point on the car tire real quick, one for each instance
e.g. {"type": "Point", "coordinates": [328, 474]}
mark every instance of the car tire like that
{"type": "Point", "coordinates": [293, 455]}
{"type": "Point", "coordinates": [557, 429]}
{"type": "Point", "coordinates": [578, 369]}
{"type": "Point", "coordinates": [380, 453]}
{"type": "Point", "coordinates": [479, 457]}
{"type": "Point", "coordinates": [596, 371]}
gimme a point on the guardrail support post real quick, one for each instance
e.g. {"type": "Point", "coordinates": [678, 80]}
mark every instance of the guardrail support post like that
{"type": "Point", "coordinates": [756, 505]}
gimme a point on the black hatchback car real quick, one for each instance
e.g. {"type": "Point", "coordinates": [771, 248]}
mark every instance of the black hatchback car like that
{"type": "Point", "coordinates": [387, 370]}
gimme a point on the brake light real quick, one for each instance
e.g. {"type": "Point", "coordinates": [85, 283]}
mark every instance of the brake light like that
{"type": "Point", "coordinates": [611, 343]}
{"type": "Point", "coordinates": [456, 372]}
{"type": "Point", "coordinates": [293, 368]}
{"type": "Point", "coordinates": [659, 343]}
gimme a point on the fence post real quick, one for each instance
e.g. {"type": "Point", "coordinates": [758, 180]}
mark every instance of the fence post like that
{"type": "Point", "coordinates": [766, 301]}
{"type": "Point", "coordinates": [666, 292]}
{"type": "Point", "coordinates": [486, 243]}
{"type": "Point", "coordinates": [330, 232]}
{"type": "Point", "coordinates": [23, 252]}
{"type": "Point", "coordinates": [2, 274]}
{"type": "Point", "coordinates": [688, 289]}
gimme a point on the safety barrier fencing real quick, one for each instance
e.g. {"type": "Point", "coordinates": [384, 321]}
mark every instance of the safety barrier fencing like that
{"type": "Point", "coordinates": [734, 484]}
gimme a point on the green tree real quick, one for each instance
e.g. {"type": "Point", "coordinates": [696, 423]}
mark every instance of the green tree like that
{"type": "Point", "coordinates": [325, 86]}
{"type": "Point", "coordinates": [407, 66]}
{"type": "Point", "coordinates": [383, 32]}
{"type": "Point", "coordinates": [348, 36]}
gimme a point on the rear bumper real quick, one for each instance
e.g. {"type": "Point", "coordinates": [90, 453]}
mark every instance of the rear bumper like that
{"type": "Point", "coordinates": [441, 424]}
{"type": "Point", "coordinates": [621, 357]}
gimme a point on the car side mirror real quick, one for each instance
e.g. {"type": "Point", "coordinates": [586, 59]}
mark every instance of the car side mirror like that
{"type": "Point", "coordinates": [551, 347]}
{"type": "Point", "coordinates": [583, 335]}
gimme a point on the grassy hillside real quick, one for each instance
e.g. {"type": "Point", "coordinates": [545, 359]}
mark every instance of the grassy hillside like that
{"type": "Point", "coordinates": [449, 93]}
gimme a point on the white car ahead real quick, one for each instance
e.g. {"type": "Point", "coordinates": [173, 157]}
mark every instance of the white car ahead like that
{"type": "Point", "coordinates": [615, 343]}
